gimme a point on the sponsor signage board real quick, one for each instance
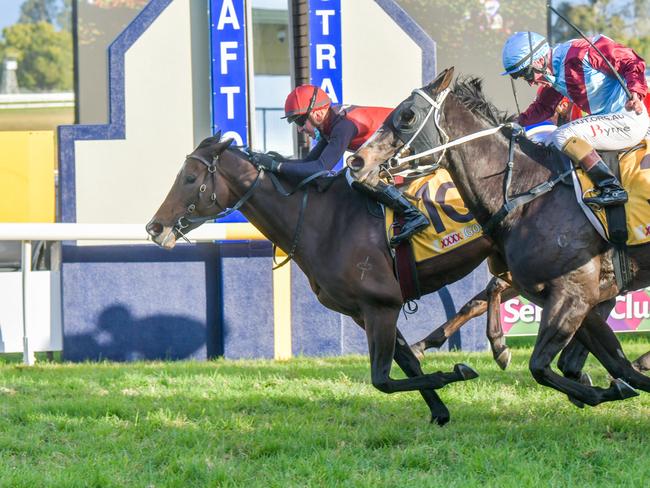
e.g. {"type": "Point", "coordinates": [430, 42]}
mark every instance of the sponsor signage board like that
{"type": "Point", "coordinates": [631, 314]}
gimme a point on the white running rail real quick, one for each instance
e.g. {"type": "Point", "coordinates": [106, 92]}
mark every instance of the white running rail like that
{"type": "Point", "coordinates": [28, 232]}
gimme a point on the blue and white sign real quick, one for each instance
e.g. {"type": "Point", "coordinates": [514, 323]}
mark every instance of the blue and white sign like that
{"type": "Point", "coordinates": [325, 47]}
{"type": "Point", "coordinates": [229, 82]}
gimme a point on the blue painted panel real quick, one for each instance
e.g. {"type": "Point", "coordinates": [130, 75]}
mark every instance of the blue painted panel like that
{"type": "Point", "coordinates": [247, 300]}
{"type": "Point", "coordinates": [139, 302]}
{"type": "Point", "coordinates": [315, 330]}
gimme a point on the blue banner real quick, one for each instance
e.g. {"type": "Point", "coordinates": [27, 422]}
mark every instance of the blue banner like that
{"type": "Point", "coordinates": [325, 49]}
{"type": "Point", "coordinates": [228, 70]}
{"type": "Point", "coordinates": [229, 84]}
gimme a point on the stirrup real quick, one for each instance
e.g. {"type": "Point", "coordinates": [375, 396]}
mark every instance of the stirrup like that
{"type": "Point", "coordinates": [403, 236]}
{"type": "Point", "coordinates": [607, 198]}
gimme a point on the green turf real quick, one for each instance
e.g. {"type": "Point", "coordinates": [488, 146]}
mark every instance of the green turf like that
{"type": "Point", "coordinates": [307, 422]}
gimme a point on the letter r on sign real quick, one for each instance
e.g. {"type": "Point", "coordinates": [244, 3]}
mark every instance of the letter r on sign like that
{"type": "Point", "coordinates": [325, 52]}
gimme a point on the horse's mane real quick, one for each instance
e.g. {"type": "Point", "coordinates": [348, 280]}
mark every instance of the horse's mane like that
{"type": "Point", "coordinates": [469, 91]}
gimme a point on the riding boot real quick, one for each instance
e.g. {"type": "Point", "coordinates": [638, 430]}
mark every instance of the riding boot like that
{"type": "Point", "coordinates": [610, 190]}
{"type": "Point", "coordinates": [414, 220]}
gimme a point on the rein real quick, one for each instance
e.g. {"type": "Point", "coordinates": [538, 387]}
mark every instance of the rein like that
{"type": "Point", "coordinates": [510, 204]}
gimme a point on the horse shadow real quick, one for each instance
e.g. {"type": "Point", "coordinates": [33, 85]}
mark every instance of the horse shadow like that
{"type": "Point", "coordinates": [120, 336]}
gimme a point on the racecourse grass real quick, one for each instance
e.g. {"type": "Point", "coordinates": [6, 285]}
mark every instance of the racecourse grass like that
{"type": "Point", "coordinates": [308, 422]}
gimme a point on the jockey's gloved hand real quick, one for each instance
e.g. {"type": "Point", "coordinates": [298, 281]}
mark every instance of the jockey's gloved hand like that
{"type": "Point", "coordinates": [276, 156]}
{"type": "Point", "coordinates": [266, 162]}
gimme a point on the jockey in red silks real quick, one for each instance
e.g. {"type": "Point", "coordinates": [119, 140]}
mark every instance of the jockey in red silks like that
{"type": "Point", "coordinates": [337, 129]}
{"type": "Point", "coordinates": [576, 70]}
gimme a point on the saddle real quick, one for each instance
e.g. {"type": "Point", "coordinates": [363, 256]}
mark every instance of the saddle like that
{"type": "Point", "coordinates": [622, 225]}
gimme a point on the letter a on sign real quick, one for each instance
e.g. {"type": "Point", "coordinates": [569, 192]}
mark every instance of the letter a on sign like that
{"type": "Point", "coordinates": [229, 83]}
{"type": "Point", "coordinates": [228, 69]}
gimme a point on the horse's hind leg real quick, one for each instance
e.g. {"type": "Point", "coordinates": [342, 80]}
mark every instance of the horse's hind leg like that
{"type": "Point", "coordinates": [498, 290]}
{"type": "Point", "coordinates": [381, 331]}
{"type": "Point", "coordinates": [406, 360]}
{"type": "Point", "coordinates": [642, 363]}
{"type": "Point", "coordinates": [474, 308]}
{"type": "Point", "coordinates": [562, 316]}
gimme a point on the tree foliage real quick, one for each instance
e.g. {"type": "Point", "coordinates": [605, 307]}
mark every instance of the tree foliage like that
{"type": "Point", "coordinates": [56, 12]}
{"type": "Point", "coordinates": [624, 21]}
{"type": "Point", "coordinates": [44, 55]}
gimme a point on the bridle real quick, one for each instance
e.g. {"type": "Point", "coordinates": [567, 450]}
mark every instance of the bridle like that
{"type": "Point", "coordinates": [510, 203]}
{"type": "Point", "coordinates": [435, 109]}
{"type": "Point", "coordinates": [184, 221]}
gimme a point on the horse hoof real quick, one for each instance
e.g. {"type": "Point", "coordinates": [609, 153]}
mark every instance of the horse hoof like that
{"type": "Point", "coordinates": [465, 372]}
{"type": "Point", "coordinates": [440, 420]}
{"type": "Point", "coordinates": [624, 390]}
{"type": "Point", "coordinates": [576, 402]}
{"type": "Point", "coordinates": [585, 379]}
{"type": "Point", "coordinates": [504, 358]}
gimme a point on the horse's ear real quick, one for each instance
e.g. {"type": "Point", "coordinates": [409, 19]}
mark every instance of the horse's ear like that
{"type": "Point", "coordinates": [217, 136]}
{"type": "Point", "coordinates": [221, 147]}
{"type": "Point", "coordinates": [442, 81]}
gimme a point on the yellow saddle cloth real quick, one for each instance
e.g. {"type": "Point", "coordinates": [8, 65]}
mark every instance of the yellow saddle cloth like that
{"type": "Point", "coordinates": [635, 178]}
{"type": "Point", "coordinates": [452, 225]}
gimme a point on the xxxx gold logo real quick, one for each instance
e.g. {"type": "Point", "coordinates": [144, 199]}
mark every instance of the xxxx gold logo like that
{"type": "Point", "coordinates": [447, 241]}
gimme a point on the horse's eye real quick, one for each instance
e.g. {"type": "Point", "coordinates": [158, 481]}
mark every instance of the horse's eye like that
{"type": "Point", "coordinates": [189, 179]}
{"type": "Point", "coordinates": [407, 117]}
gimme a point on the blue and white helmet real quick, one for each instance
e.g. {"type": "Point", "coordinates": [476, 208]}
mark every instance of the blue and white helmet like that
{"type": "Point", "coordinates": [517, 54]}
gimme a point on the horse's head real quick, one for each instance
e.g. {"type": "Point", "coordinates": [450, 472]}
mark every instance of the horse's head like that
{"type": "Point", "coordinates": [198, 194]}
{"type": "Point", "coordinates": [409, 129]}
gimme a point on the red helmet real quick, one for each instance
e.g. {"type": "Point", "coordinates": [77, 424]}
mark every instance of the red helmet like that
{"type": "Point", "coordinates": [302, 101]}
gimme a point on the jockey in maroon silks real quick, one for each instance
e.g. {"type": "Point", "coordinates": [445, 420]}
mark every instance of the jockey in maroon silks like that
{"type": "Point", "coordinates": [338, 129]}
{"type": "Point", "coordinates": [583, 71]}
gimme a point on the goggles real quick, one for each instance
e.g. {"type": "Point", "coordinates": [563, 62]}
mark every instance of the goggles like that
{"type": "Point", "coordinates": [301, 119]}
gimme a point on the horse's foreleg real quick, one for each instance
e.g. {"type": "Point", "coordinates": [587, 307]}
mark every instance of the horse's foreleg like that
{"type": "Point", "coordinates": [562, 315]}
{"type": "Point", "coordinates": [381, 332]}
{"type": "Point", "coordinates": [474, 308]}
{"type": "Point", "coordinates": [596, 335]}
{"type": "Point", "coordinates": [572, 360]}
{"type": "Point", "coordinates": [406, 360]}
{"type": "Point", "coordinates": [498, 290]}
{"type": "Point", "coordinates": [573, 357]}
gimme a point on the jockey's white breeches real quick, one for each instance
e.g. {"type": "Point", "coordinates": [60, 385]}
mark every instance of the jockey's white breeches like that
{"type": "Point", "coordinates": [606, 132]}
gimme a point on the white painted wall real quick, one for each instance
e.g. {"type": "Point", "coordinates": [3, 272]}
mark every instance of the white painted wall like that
{"type": "Point", "coordinates": [45, 319]}
{"type": "Point", "coordinates": [124, 181]}
{"type": "Point", "coordinates": [381, 64]}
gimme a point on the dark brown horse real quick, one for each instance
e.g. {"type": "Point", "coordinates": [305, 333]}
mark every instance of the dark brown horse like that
{"type": "Point", "coordinates": [215, 177]}
{"type": "Point", "coordinates": [553, 253]}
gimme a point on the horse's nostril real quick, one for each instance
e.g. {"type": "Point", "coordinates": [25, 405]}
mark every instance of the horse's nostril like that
{"type": "Point", "coordinates": [154, 229]}
{"type": "Point", "coordinates": [355, 162]}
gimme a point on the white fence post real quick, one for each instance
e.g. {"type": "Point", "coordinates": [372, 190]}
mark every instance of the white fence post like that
{"type": "Point", "coordinates": [28, 353]}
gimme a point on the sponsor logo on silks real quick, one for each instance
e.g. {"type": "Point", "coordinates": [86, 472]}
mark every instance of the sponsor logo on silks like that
{"type": "Point", "coordinates": [597, 130]}
{"type": "Point", "coordinates": [471, 230]}
{"type": "Point", "coordinates": [642, 231]}
{"type": "Point", "coordinates": [447, 241]}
